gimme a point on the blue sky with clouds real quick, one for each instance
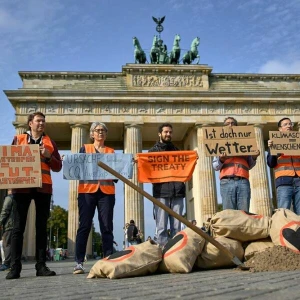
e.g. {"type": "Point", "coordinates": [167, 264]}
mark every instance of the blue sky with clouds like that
{"type": "Point", "coordinates": [250, 36]}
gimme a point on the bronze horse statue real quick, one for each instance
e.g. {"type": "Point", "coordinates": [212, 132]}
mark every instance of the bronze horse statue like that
{"type": "Point", "coordinates": [193, 53]}
{"type": "Point", "coordinates": [139, 53]}
{"type": "Point", "coordinates": [154, 52]}
{"type": "Point", "coordinates": [175, 53]}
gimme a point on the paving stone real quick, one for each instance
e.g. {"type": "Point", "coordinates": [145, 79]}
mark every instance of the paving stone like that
{"type": "Point", "coordinates": [220, 284]}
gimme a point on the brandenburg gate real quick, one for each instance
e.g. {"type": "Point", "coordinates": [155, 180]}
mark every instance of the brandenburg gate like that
{"type": "Point", "coordinates": [135, 101]}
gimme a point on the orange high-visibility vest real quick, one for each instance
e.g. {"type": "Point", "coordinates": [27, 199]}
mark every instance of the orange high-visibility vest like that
{"type": "Point", "coordinates": [22, 139]}
{"type": "Point", "coordinates": [92, 186]}
{"type": "Point", "coordinates": [287, 166]}
{"type": "Point", "coordinates": [235, 166]}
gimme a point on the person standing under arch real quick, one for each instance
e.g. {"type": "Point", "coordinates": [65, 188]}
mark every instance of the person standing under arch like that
{"type": "Point", "coordinates": [98, 194]}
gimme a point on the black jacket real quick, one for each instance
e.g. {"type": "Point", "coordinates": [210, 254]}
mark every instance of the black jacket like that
{"type": "Point", "coordinates": [132, 232]}
{"type": "Point", "coordinates": [167, 189]}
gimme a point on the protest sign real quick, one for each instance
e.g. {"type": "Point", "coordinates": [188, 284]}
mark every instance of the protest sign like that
{"type": "Point", "coordinates": [166, 166]}
{"type": "Point", "coordinates": [20, 166]}
{"type": "Point", "coordinates": [234, 141]}
{"type": "Point", "coordinates": [83, 166]}
{"type": "Point", "coordinates": [287, 142]}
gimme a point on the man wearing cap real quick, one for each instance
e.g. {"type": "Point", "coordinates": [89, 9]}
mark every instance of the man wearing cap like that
{"type": "Point", "coordinates": [234, 176]}
{"type": "Point", "coordinates": [287, 173]}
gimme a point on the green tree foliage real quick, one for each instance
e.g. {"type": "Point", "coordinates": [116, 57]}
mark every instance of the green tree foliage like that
{"type": "Point", "coordinates": [97, 242]}
{"type": "Point", "coordinates": [57, 225]}
{"type": "Point", "coordinates": [220, 207]}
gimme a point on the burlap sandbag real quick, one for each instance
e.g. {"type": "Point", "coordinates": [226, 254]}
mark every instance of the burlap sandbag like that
{"type": "Point", "coordinates": [239, 225]}
{"type": "Point", "coordinates": [137, 260]}
{"type": "Point", "coordinates": [180, 253]}
{"type": "Point", "coordinates": [211, 257]}
{"type": "Point", "coordinates": [285, 229]}
{"type": "Point", "coordinates": [257, 246]}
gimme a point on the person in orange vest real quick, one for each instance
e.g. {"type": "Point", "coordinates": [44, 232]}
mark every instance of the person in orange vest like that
{"type": "Point", "coordinates": [234, 176]}
{"type": "Point", "coordinates": [287, 173]}
{"type": "Point", "coordinates": [50, 161]}
{"type": "Point", "coordinates": [98, 194]}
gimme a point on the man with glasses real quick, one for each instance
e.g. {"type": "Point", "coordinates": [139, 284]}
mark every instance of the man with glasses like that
{"type": "Point", "coordinates": [287, 173]}
{"type": "Point", "coordinates": [234, 176]}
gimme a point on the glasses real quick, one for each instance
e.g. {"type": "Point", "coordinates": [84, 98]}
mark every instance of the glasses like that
{"type": "Point", "coordinates": [99, 130]}
{"type": "Point", "coordinates": [287, 124]}
{"type": "Point", "coordinates": [229, 123]}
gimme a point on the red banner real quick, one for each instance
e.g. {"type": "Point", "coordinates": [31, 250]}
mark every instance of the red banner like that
{"type": "Point", "coordinates": [156, 167]}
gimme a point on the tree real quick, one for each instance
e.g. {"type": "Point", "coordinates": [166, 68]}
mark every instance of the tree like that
{"type": "Point", "coordinates": [57, 226]}
{"type": "Point", "coordinates": [97, 243]}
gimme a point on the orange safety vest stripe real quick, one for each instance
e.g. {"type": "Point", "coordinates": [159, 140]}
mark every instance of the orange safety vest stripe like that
{"type": "Point", "coordinates": [22, 139]}
{"type": "Point", "coordinates": [235, 166]}
{"type": "Point", "coordinates": [287, 166]}
{"type": "Point", "coordinates": [92, 186]}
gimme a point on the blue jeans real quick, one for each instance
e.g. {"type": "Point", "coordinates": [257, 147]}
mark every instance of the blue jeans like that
{"type": "Point", "coordinates": [235, 194]}
{"type": "Point", "coordinates": [287, 195]}
{"type": "Point", "coordinates": [162, 218]}
{"type": "Point", "coordinates": [87, 204]}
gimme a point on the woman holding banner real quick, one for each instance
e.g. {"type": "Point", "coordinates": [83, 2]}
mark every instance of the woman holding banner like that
{"type": "Point", "coordinates": [98, 194]}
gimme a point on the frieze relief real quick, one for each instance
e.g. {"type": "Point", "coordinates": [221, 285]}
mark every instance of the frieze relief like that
{"type": "Point", "coordinates": [167, 81]}
{"type": "Point", "coordinates": [263, 108]}
{"type": "Point", "coordinates": [159, 108]}
{"type": "Point", "coordinates": [280, 109]}
{"type": "Point", "coordinates": [246, 109]}
{"type": "Point", "coordinates": [31, 108]}
{"type": "Point", "coordinates": [52, 109]}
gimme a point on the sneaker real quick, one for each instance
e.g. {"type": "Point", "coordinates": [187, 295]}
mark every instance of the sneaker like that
{"type": "Point", "coordinates": [4, 267]}
{"type": "Point", "coordinates": [14, 273]}
{"type": "Point", "coordinates": [43, 270]}
{"type": "Point", "coordinates": [79, 269]}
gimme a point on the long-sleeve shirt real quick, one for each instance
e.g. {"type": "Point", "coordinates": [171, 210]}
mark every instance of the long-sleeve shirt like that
{"type": "Point", "coordinates": [272, 161]}
{"type": "Point", "coordinates": [217, 164]}
{"type": "Point", "coordinates": [55, 165]}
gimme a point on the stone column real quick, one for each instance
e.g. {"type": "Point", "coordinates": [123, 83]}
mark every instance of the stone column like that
{"type": "Point", "coordinates": [89, 246]}
{"type": "Point", "coordinates": [134, 202]}
{"type": "Point", "coordinates": [260, 202]}
{"type": "Point", "coordinates": [205, 204]}
{"type": "Point", "coordinates": [20, 127]}
{"type": "Point", "coordinates": [80, 136]}
{"type": "Point", "coordinates": [29, 233]}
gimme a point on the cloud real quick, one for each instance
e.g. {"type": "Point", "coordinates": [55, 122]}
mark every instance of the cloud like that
{"type": "Point", "coordinates": [278, 67]}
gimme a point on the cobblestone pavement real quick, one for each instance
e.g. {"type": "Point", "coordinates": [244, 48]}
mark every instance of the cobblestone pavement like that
{"type": "Point", "coordinates": [214, 284]}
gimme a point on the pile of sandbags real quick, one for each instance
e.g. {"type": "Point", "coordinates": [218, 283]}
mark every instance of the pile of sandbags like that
{"type": "Point", "coordinates": [243, 234]}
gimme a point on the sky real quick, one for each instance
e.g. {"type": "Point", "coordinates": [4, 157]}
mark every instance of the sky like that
{"type": "Point", "coordinates": [249, 36]}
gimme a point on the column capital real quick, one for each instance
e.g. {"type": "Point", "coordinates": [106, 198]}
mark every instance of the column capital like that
{"type": "Point", "coordinates": [260, 125]}
{"type": "Point", "coordinates": [134, 125]}
{"type": "Point", "coordinates": [206, 124]}
{"type": "Point", "coordinates": [80, 125]}
{"type": "Point", "coordinates": [20, 125]}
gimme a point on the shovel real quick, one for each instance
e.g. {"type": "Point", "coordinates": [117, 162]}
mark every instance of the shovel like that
{"type": "Point", "coordinates": [207, 237]}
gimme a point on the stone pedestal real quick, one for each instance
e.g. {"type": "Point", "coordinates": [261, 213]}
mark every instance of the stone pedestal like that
{"type": "Point", "coordinates": [80, 136]}
{"type": "Point", "coordinates": [134, 202]}
{"type": "Point", "coordinates": [206, 205]}
{"type": "Point", "coordinates": [260, 195]}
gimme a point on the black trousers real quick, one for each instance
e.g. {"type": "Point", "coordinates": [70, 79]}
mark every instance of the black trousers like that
{"type": "Point", "coordinates": [42, 207]}
{"type": "Point", "coordinates": [87, 204]}
{"type": "Point", "coordinates": [6, 238]}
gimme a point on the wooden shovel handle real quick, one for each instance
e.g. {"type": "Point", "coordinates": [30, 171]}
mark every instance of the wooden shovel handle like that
{"type": "Point", "coordinates": [172, 213]}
